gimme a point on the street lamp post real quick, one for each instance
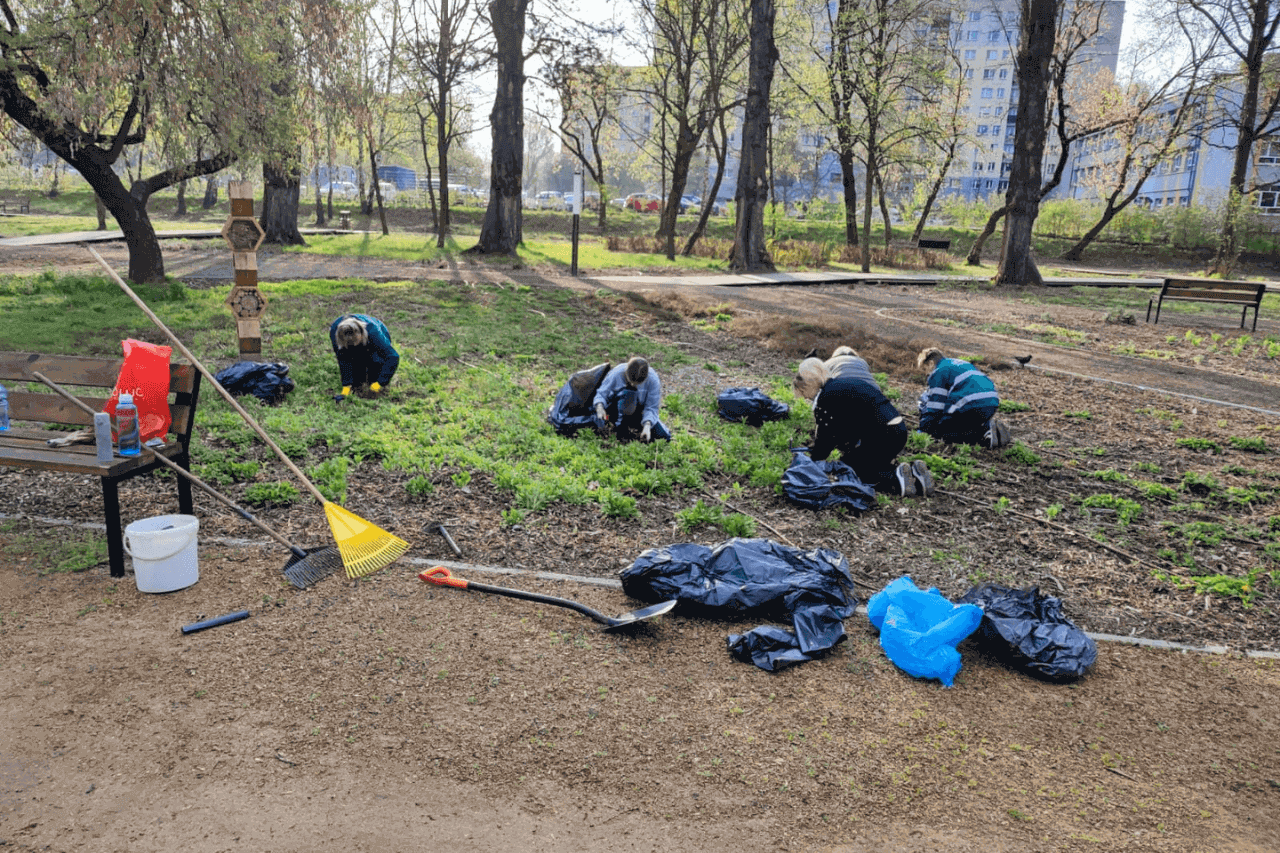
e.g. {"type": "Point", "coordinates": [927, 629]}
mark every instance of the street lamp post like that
{"type": "Point", "coordinates": [577, 212]}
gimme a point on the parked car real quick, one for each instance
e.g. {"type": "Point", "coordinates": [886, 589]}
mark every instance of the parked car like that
{"type": "Point", "coordinates": [591, 201]}
{"type": "Point", "coordinates": [643, 203]}
{"type": "Point", "coordinates": [690, 204]}
{"type": "Point", "coordinates": [548, 200]}
{"type": "Point", "coordinates": [618, 202]}
{"type": "Point", "coordinates": [341, 189]}
{"type": "Point", "coordinates": [720, 207]}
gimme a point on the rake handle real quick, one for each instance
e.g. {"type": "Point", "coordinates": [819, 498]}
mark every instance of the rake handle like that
{"type": "Point", "coordinates": [226, 395]}
{"type": "Point", "coordinates": [245, 514]}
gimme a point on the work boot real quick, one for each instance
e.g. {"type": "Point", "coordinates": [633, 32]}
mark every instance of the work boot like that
{"type": "Point", "coordinates": [997, 434]}
{"type": "Point", "coordinates": [924, 480]}
{"type": "Point", "coordinates": [906, 481]}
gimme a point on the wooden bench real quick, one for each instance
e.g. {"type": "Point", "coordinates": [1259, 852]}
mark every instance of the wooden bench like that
{"type": "Point", "coordinates": [32, 404]}
{"type": "Point", "coordinates": [23, 205]}
{"type": "Point", "coordinates": [922, 243]}
{"type": "Point", "coordinates": [1246, 293]}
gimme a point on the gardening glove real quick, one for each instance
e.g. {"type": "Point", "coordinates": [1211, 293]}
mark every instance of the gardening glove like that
{"type": "Point", "coordinates": [346, 392]}
{"type": "Point", "coordinates": [375, 387]}
{"type": "Point", "coordinates": [644, 431]}
{"type": "Point", "coordinates": [601, 419]}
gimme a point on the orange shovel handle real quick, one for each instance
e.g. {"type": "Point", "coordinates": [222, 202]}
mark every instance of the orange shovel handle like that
{"type": "Point", "coordinates": [440, 576]}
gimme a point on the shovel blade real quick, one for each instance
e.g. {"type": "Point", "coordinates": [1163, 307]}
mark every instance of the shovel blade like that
{"type": "Point", "coordinates": [640, 615]}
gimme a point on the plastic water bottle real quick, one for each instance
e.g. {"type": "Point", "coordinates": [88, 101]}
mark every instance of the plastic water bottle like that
{"type": "Point", "coordinates": [4, 408]}
{"type": "Point", "coordinates": [127, 426]}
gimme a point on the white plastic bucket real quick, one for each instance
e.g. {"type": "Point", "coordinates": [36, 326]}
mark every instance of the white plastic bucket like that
{"type": "Point", "coordinates": [163, 549]}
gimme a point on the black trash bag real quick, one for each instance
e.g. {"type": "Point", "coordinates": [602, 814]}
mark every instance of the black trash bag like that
{"type": "Point", "coordinates": [751, 406]}
{"type": "Point", "coordinates": [758, 578]}
{"type": "Point", "coordinates": [268, 381]}
{"type": "Point", "coordinates": [1028, 631]}
{"type": "Point", "coordinates": [823, 485]}
{"type": "Point", "coordinates": [572, 409]}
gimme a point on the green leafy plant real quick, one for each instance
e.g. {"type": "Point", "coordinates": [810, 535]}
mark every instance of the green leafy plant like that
{"type": "Point", "coordinates": [420, 487]}
{"type": "Point", "coordinates": [1199, 484]}
{"type": "Point", "coordinates": [1002, 504]}
{"type": "Point", "coordinates": [1012, 406]}
{"type": "Point", "coordinates": [1083, 414]}
{"type": "Point", "coordinates": [1022, 454]}
{"type": "Point", "coordinates": [1199, 444]}
{"type": "Point", "coordinates": [1126, 510]}
{"type": "Point", "coordinates": [1110, 475]}
{"type": "Point", "coordinates": [1152, 490]}
{"type": "Point", "coordinates": [271, 494]}
{"type": "Point", "coordinates": [1052, 510]}
{"type": "Point", "coordinates": [330, 477]}
{"type": "Point", "coordinates": [1249, 445]}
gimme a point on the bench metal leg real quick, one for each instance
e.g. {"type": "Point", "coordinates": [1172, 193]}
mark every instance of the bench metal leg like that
{"type": "Point", "coordinates": [115, 536]}
{"type": "Point", "coordinates": [184, 486]}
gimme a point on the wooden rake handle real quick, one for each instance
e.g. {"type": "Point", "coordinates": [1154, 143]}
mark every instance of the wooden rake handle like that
{"type": "Point", "coordinates": [226, 395]}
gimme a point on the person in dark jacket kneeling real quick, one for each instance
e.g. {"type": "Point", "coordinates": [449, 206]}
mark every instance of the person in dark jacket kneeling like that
{"type": "Point", "coordinates": [366, 357]}
{"type": "Point", "coordinates": [628, 401]}
{"type": "Point", "coordinates": [855, 417]}
{"type": "Point", "coordinates": [959, 403]}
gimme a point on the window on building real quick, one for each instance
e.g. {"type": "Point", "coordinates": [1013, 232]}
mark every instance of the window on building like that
{"type": "Point", "coordinates": [1000, 93]}
{"type": "Point", "coordinates": [1185, 201]}
{"type": "Point", "coordinates": [975, 16]}
{"type": "Point", "coordinates": [1269, 150]}
{"type": "Point", "coordinates": [1177, 163]}
{"type": "Point", "coordinates": [955, 183]}
{"type": "Point", "coordinates": [999, 111]}
{"type": "Point", "coordinates": [977, 167]}
{"type": "Point", "coordinates": [991, 167]}
{"type": "Point", "coordinates": [972, 35]}
{"type": "Point", "coordinates": [984, 111]}
{"type": "Point", "coordinates": [990, 184]}
{"type": "Point", "coordinates": [986, 91]}
{"type": "Point", "coordinates": [1004, 73]}
{"type": "Point", "coordinates": [994, 35]}
{"type": "Point", "coordinates": [970, 54]}
{"type": "Point", "coordinates": [991, 54]}
{"type": "Point", "coordinates": [982, 130]}
{"type": "Point", "coordinates": [1009, 129]}
{"type": "Point", "coordinates": [988, 74]}
{"type": "Point", "coordinates": [1004, 54]}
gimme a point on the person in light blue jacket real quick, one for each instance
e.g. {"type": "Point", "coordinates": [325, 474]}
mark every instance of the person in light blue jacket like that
{"type": "Point", "coordinates": [959, 402]}
{"type": "Point", "coordinates": [628, 400]}
{"type": "Point", "coordinates": [365, 355]}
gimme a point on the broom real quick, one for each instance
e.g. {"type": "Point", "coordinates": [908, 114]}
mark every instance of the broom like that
{"type": "Point", "coordinates": [365, 547]}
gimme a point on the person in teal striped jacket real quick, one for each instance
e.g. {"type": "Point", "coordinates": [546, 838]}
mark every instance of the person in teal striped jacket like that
{"type": "Point", "coordinates": [959, 403]}
{"type": "Point", "coordinates": [366, 358]}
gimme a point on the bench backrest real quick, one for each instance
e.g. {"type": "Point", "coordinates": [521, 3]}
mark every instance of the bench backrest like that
{"type": "Point", "coordinates": [38, 402]}
{"type": "Point", "coordinates": [1213, 289]}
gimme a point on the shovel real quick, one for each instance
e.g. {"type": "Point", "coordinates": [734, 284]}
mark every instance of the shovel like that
{"type": "Point", "coordinates": [443, 577]}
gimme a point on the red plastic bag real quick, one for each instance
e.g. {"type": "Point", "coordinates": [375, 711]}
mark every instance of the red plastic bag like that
{"type": "Point", "coordinates": [145, 375]}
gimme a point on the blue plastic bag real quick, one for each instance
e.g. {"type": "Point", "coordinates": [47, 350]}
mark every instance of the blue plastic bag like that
{"type": "Point", "coordinates": [572, 408]}
{"type": "Point", "coordinates": [268, 381]}
{"type": "Point", "coordinates": [754, 577]}
{"type": "Point", "coordinates": [919, 629]}
{"type": "Point", "coordinates": [823, 485]}
{"type": "Point", "coordinates": [1028, 631]}
{"type": "Point", "coordinates": [751, 406]}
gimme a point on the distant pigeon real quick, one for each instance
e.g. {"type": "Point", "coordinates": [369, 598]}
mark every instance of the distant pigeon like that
{"type": "Point", "coordinates": [1022, 359]}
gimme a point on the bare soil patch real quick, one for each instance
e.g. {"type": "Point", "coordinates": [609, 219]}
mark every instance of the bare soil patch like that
{"type": "Point", "coordinates": [381, 713]}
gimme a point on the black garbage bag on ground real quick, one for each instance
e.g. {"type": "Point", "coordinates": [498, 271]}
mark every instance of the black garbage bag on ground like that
{"type": "Point", "coordinates": [754, 578]}
{"type": "Point", "coordinates": [751, 406]}
{"type": "Point", "coordinates": [823, 485]}
{"type": "Point", "coordinates": [268, 381]}
{"type": "Point", "coordinates": [572, 409]}
{"type": "Point", "coordinates": [1028, 631]}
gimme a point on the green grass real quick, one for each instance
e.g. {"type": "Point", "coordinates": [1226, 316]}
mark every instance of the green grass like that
{"type": "Point", "coordinates": [467, 403]}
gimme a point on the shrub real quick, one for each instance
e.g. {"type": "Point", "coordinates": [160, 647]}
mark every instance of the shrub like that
{"type": "Point", "coordinates": [270, 494]}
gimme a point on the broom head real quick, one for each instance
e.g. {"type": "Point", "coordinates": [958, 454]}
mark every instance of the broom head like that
{"type": "Point", "coordinates": [365, 547]}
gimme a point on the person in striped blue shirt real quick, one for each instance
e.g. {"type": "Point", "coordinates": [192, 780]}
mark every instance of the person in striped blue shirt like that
{"type": "Point", "coordinates": [959, 402]}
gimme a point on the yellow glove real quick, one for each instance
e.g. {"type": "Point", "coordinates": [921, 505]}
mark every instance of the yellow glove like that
{"type": "Point", "coordinates": [375, 387]}
{"type": "Point", "coordinates": [346, 390]}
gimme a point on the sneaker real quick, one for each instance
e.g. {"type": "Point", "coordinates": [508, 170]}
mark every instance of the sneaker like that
{"type": "Point", "coordinates": [906, 482]}
{"type": "Point", "coordinates": [924, 480]}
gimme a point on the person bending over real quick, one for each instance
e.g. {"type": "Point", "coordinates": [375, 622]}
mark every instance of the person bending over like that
{"type": "Point", "coordinates": [855, 417]}
{"type": "Point", "coordinates": [959, 402]}
{"type": "Point", "coordinates": [366, 357]}
{"type": "Point", "coordinates": [628, 401]}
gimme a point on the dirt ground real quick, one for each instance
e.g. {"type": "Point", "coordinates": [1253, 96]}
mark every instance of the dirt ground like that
{"type": "Point", "coordinates": [384, 714]}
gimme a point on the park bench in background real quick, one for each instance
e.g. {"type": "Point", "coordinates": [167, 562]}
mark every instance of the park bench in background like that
{"type": "Point", "coordinates": [24, 444]}
{"type": "Point", "coordinates": [933, 244]}
{"type": "Point", "coordinates": [1245, 293]}
{"type": "Point", "coordinates": [21, 205]}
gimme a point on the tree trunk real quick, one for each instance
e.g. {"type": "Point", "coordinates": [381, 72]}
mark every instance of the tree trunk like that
{"type": "Point", "coordinates": [281, 192]}
{"type": "Point", "coordinates": [933, 195]}
{"type": "Point", "coordinates": [974, 257]}
{"type": "Point", "coordinates": [210, 199]}
{"type": "Point", "coordinates": [102, 212]}
{"type": "Point", "coordinates": [502, 231]}
{"type": "Point", "coordinates": [849, 183]}
{"type": "Point", "coordinates": [868, 189]}
{"type": "Point", "coordinates": [1035, 55]}
{"type": "Point", "coordinates": [722, 151]}
{"type": "Point", "coordinates": [182, 199]}
{"type": "Point", "coordinates": [1228, 241]}
{"type": "Point", "coordinates": [377, 188]}
{"type": "Point", "coordinates": [1076, 252]}
{"type": "Point", "coordinates": [749, 250]}
{"type": "Point", "coordinates": [884, 213]}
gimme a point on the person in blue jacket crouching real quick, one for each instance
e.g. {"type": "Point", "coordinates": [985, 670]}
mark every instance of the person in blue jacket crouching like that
{"type": "Point", "coordinates": [959, 402]}
{"type": "Point", "coordinates": [628, 400]}
{"type": "Point", "coordinates": [366, 357]}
